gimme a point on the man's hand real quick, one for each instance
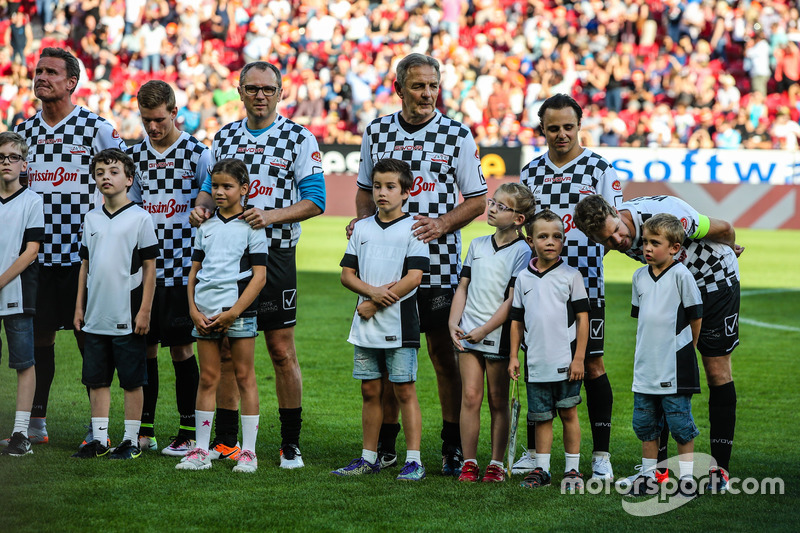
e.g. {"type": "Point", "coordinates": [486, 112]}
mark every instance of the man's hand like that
{"type": "Point", "coordinates": [257, 218]}
{"type": "Point", "coordinates": [738, 249]}
{"type": "Point", "coordinates": [348, 229]}
{"type": "Point", "coordinates": [428, 229]}
{"type": "Point", "coordinates": [199, 215]}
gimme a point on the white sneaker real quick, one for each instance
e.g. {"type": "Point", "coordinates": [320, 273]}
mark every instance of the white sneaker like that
{"type": "Point", "coordinates": [247, 462]}
{"type": "Point", "coordinates": [290, 457]}
{"type": "Point", "coordinates": [148, 444]}
{"type": "Point", "coordinates": [601, 467]}
{"type": "Point", "coordinates": [196, 459]}
{"type": "Point", "coordinates": [628, 481]}
{"type": "Point", "coordinates": [525, 464]}
{"type": "Point", "coordinates": [179, 446]}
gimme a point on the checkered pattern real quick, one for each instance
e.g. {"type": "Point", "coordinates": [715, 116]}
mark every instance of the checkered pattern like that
{"type": "Point", "coordinates": [58, 169]}
{"type": "Point", "coordinates": [277, 159]}
{"type": "Point", "coordinates": [712, 264]}
{"type": "Point", "coordinates": [560, 190]}
{"type": "Point", "coordinates": [444, 162]}
{"type": "Point", "coordinates": [166, 185]}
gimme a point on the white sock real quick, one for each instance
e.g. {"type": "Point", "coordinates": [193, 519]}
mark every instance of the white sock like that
{"type": "Point", "coordinates": [369, 456]}
{"type": "Point", "coordinates": [649, 467]}
{"type": "Point", "coordinates": [21, 422]}
{"type": "Point", "coordinates": [203, 421]}
{"type": "Point", "coordinates": [132, 431]}
{"type": "Point", "coordinates": [249, 432]}
{"type": "Point", "coordinates": [475, 461]}
{"type": "Point", "coordinates": [413, 456]}
{"type": "Point", "coordinates": [100, 429]}
{"type": "Point", "coordinates": [543, 461]}
{"type": "Point", "coordinates": [496, 463]}
{"type": "Point", "coordinates": [686, 468]}
{"type": "Point", "coordinates": [572, 461]}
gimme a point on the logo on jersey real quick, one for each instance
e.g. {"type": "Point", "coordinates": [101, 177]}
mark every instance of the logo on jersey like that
{"type": "Point", "coordinates": [477, 155]}
{"type": "Point", "coordinates": [408, 148]}
{"type": "Point", "coordinates": [558, 179]}
{"type": "Point", "coordinates": [586, 190]}
{"type": "Point", "coordinates": [617, 186]}
{"type": "Point", "coordinates": [188, 175]}
{"type": "Point", "coordinates": [57, 176]}
{"type": "Point", "coordinates": [685, 223]}
{"type": "Point", "coordinates": [115, 134]}
{"type": "Point", "coordinates": [77, 150]}
{"type": "Point", "coordinates": [257, 189]}
{"type": "Point", "coordinates": [56, 140]}
{"type": "Point", "coordinates": [168, 209]}
{"type": "Point", "coordinates": [421, 185]}
{"type": "Point", "coordinates": [316, 156]}
{"type": "Point", "coordinates": [278, 162]}
{"type": "Point", "coordinates": [160, 164]}
{"type": "Point", "coordinates": [250, 150]}
{"type": "Point", "coordinates": [437, 158]}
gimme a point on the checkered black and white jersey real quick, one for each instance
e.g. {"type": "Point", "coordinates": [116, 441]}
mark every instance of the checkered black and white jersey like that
{"type": "Point", "coordinates": [713, 265]}
{"type": "Point", "coordinates": [166, 186]}
{"type": "Point", "coordinates": [58, 169]}
{"type": "Point", "coordinates": [278, 159]}
{"type": "Point", "coordinates": [444, 162]}
{"type": "Point", "coordinates": [560, 190]}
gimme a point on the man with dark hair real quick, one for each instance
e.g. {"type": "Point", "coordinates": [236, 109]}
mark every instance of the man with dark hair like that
{"type": "Point", "coordinates": [62, 138]}
{"type": "Point", "coordinates": [559, 178]}
{"type": "Point", "coordinates": [445, 162]}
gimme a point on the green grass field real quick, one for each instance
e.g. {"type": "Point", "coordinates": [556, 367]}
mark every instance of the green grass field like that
{"type": "Point", "coordinates": [51, 491]}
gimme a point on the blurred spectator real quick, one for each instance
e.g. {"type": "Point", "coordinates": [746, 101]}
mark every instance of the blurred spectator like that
{"type": "Point", "coordinates": [757, 59]}
{"type": "Point", "coordinates": [785, 131]}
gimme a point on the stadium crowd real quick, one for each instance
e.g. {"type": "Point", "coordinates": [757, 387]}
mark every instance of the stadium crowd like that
{"type": "Point", "coordinates": [696, 73]}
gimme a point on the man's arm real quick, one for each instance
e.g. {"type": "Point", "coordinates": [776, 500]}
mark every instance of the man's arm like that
{"type": "Point", "coordinates": [203, 209]}
{"type": "Point", "coordinates": [260, 218]}
{"type": "Point", "coordinates": [427, 229]}
{"type": "Point", "coordinates": [722, 231]}
{"type": "Point", "coordinates": [365, 207]}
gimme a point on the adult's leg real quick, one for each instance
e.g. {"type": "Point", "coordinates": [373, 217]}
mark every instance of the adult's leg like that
{"type": "Point", "coordinates": [721, 407]}
{"type": "Point", "coordinates": [599, 402]}
{"type": "Point", "coordinates": [288, 383]}
{"type": "Point", "coordinates": [186, 378]}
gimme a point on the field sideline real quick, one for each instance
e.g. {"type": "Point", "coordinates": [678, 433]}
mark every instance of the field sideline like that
{"type": "Point", "coordinates": [49, 490]}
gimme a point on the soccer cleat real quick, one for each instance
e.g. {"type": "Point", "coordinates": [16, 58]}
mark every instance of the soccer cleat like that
{"type": "Point", "coordinates": [717, 481]}
{"type": "Point", "coordinates": [89, 438]}
{"type": "Point", "coordinates": [126, 450]}
{"type": "Point", "coordinates": [494, 474]}
{"type": "Point", "coordinates": [219, 450]}
{"type": "Point", "coordinates": [387, 459]}
{"type": "Point", "coordinates": [525, 464]}
{"type": "Point", "coordinates": [91, 450]}
{"type": "Point", "coordinates": [247, 462]}
{"type": "Point", "coordinates": [661, 477]}
{"type": "Point", "coordinates": [452, 460]}
{"type": "Point", "coordinates": [358, 467]}
{"type": "Point", "coordinates": [469, 472]}
{"type": "Point", "coordinates": [38, 435]}
{"type": "Point", "coordinates": [18, 445]}
{"type": "Point", "coordinates": [179, 446]}
{"type": "Point", "coordinates": [601, 468]}
{"type": "Point", "coordinates": [624, 483]}
{"type": "Point", "coordinates": [537, 478]}
{"type": "Point", "coordinates": [291, 457]}
{"type": "Point", "coordinates": [572, 482]}
{"type": "Point", "coordinates": [643, 485]}
{"type": "Point", "coordinates": [147, 444]}
{"type": "Point", "coordinates": [412, 471]}
{"type": "Point", "coordinates": [195, 459]}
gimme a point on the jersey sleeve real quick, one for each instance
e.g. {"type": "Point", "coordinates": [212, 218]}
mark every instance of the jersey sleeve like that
{"type": "Point", "coordinates": [635, 295]}
{"type": "Point", "coordinates": [610, 188]}
{"type": "Point", "coordinates": [578, 296]}
{"type": "Point", "coordinates": [107, 137]}
{"type": "Point", "coordinates": [517, 309]}
{"type": "Point", "coordinates": [365, 165]}
{"type": "Point", "coordinates": [690, 295]}
{"type": "Point", "coordinates": [466, 269]}
{"type": "Point", "coordinates": [204, 166]}
{"type": "Point", "coordinates": [350, 259]}
{"type": "Point", "coordinates": [148, 243]}
{"type": "Point", "coordinates": [257, 247]}
{"type": "Point", "coordinates": [34, 225]}
{"type": "Point", "coordinates": [83, 253]}
{"type": "Point", "coordinates": [469, 175]}
{"type": "Point", "coordinates": [212, 160]}
{"type": "Point", "coordinates": [418, 254]}
{"type": "Point", "coordinates": [198, 254]}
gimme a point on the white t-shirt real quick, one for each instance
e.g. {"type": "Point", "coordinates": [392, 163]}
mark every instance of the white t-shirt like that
{"type": "Point", "coordinates": [23, 222]}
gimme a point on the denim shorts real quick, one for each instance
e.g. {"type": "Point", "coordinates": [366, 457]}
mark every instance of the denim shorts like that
{"type": "Point", "coordinates": [242, 328]}
{"type": "Point", "coordinates": [488, 356]}
{"type": "Point", "coordinates": [650, 411]}
{"type": "Point", "coordinates": [544, 399]}
{"type": "Point", "coordinates": [19, 334]}
{"type": "Point", "coordinates": [372, 363]}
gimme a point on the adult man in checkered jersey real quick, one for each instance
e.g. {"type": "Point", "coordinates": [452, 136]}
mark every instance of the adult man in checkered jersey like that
{"type": "Point", "coordinates": [559, 178]}
{"type": "Point", "coordinates": [62, 138]}
{"type": "Point", "coordinates": [286, 187]}
{"type": "Point", "coordinates": [171, 166]}
{"type": "Point", "coordinates": [444, 161]}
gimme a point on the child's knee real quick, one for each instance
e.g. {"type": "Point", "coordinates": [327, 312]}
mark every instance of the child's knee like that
{"type": "Point", "coordinates": [405, 392]}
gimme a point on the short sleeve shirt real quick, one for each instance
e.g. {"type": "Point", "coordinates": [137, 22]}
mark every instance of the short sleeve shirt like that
{"type": "Point", "coordinates": [23, 222]}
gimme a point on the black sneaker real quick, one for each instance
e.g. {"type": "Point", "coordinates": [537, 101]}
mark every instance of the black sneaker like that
{"type": "Point", "coordinates": [538, 478]}
{"type": "Point", "coordinates": [452, 460]}
{"type": "Point", "coordinates": [387, 459]}
{"type": "Point", "coordinates": [643, 486]}
{"type": "Point", "coordinates": [91, 450]}
{"type": "Point", "coordinates": [126, 450]}
{"type": "Point", "coordinates": [18, 446]}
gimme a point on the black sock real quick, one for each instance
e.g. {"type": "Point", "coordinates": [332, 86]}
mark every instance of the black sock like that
{"type": "Point", "coordinates": [226, 426]}
{"type": "Point", "coordinates": [387, 438]}
{"type": "Point", "coordinates": [45, 357]}
{"type": "Point", "coordinates": [186, 377]}
{"type": "Point", "coordinates": [599, 400]}
{"type": "Point", "coordinates": [722, 419]}
{"type": "Point", "coordinates": [150, 393]}
{"type": "Point", "coordinates": [451, 434]}
{"type": "Point", "coordinates": [531, 436]}
{"type": "Point", "coordinates": [663, 441]}
{"type": "Point", "coordinates": [291, 422]}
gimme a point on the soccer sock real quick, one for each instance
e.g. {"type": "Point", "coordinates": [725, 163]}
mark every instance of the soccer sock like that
{"type": "Point", "coordinates": [475, 461]}
{"type": "Point", "coordinates": [686, 468]}
{"type": "Point", "coordinates": [663, 442]}
{"type": "Point", "coordinates": [227, 426]}
{"type": "Point", "coordinates": [387, 438]}
{"type": "Point", "coordinates": [21, 422]}
{"type": "Point", "coordinates": [531, 438]}
{"type": "Point", "coordinates": [543, 461]}
{"type": "Point", "coordinates": [204, 428]}
{"type": "Point", "coordinates": [45, 357]}
{"type": "Point", "coordinates": [599, 400]}
{"type": "Point", "coordinates": [369, 456]}
{"type": "Point", "coordinates": [100, 429]}
{"type": "Point", "coordinates": [451, 434]}
{"type": "Point", "coordinates": [186, 378]}
{"type": "Point", "coordinates": [249, 432]}
{"type": "Point", "coordinates": [132, 431]}
{"type": "Point", "coordinates": [572, 461]}
{"type": "Point", "coordinates": [649, 467]}
{"type": "Point", "coordinates": [291, 422]}
{"type": "Point", "coordinates": [413, 456]}
{"type": "Point", "coordinates": [496, 463]}
{"type": "Point", "coordinates": [150, 393]}
{"type": "Point", "coordinates": [722, 419]}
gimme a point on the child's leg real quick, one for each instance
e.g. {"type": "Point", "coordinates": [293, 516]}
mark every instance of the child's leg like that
{"type": "Point", "coordinates": [544, 443]}
{"type": "Point", "coordinates": [243, 355]}
{"type": "Point", "coordinates": [572, 430]}
{"type": "Point", "coordinates": [371, 416]}
{"type": "Point", "coordinates": [26, 386]}
{"type": "Point", "coordinates": [100, 399]}
{"type": "Point", "coordinates": [133, 401]}
{"type": "Point", "coordinates": [471, 365]}
{"type": "Point", "coordinates": [497, 381]}
{"type": "Point", "coordinates": [678, 413]}
{"type": "Point", "coordinates": [406, 394]}
{"type": "Point", "coordinates": [208, 351]}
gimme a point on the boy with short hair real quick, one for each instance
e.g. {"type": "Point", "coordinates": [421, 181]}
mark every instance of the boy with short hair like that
{"type": "Point", "coordinates": [550, 313]}
{"type": "Point", "coordinates": [383, 264]}
{"type": "Point", "coordinates": [117, 282]}
{"type": "Point", "coordinates": [665, 300]}
{"type": "Point", "coordinates": [23, 220]}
